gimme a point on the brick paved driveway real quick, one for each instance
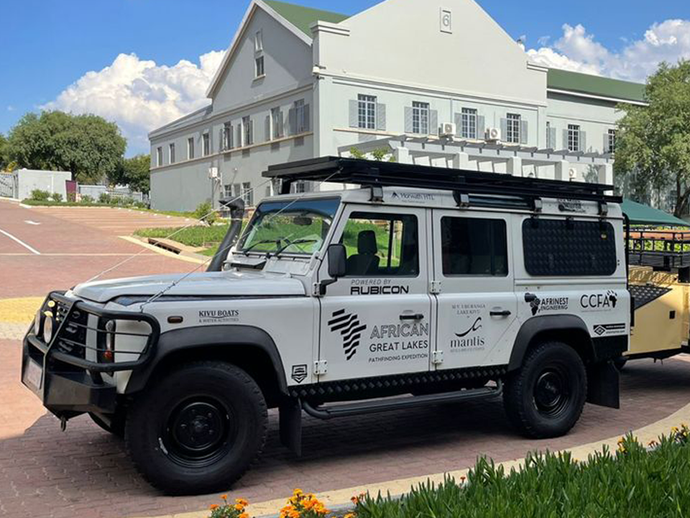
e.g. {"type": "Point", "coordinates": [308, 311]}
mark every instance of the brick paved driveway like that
{"type": "Point", "coordinates": [85, 472]}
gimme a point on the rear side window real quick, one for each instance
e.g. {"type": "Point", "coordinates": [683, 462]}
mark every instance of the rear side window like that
{"type": "Point", "coordinates": [471, 246]}
{"type": "Point", "coordinates": [562, 248]}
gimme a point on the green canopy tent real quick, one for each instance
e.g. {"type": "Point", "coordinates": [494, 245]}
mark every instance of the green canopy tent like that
{"type": "Point", "coordinates": [641, 214]}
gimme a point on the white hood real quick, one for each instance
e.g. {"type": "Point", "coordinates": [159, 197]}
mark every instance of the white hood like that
{"type": "Point", "coordinates": [209, 284]}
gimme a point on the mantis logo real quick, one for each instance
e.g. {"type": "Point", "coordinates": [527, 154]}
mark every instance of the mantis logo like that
{"type": "Point", "coordinates": [350, 329]}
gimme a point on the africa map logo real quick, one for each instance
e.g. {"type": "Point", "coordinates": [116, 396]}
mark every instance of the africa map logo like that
{"type": "Point", "coordinates": [350, 329]}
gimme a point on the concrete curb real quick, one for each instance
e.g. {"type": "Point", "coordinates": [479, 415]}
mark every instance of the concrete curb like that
{"type": "Point", "coordinates": [187, 257]}
{"type": "Point", "coordinates": [340, 498]}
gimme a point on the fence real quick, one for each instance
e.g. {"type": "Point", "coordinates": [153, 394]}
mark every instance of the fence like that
{"type": "Point", "coordinates": [9, 185]}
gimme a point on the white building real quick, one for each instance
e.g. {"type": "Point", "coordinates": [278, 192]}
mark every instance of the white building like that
{"type": "Point", "coordinates": [298, 82]}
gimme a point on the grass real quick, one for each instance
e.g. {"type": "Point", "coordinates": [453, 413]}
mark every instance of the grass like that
{"type": "Point", "coordinates": [632, 481]}
{"type": "Point", "coordinates": [197, 236]}
{"type": "Point", "coordinates": [51, 203]}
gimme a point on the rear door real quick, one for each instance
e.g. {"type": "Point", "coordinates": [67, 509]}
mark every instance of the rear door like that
{"type": "Point", "coordinates": [376, 320]}
{"type": "Point", "coordinates": [476, 306]}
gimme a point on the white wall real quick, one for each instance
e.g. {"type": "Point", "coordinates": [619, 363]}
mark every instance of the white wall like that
{"type": "Point", "coordinates": [51, 181]}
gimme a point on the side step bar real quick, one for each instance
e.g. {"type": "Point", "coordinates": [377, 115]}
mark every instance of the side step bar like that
{"type": "Point", "coordinates": [386, 405]}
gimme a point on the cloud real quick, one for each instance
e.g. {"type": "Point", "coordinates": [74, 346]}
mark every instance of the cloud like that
{"type": "Point", "coordinates": [140, 95]}
{"type": "Point", "coordinates": [579, 51]}
{"type": "Point", "coordinates": [10, 108]}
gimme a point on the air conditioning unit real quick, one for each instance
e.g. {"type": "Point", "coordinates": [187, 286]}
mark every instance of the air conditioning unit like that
{"type": "Point", "coordinates": [493, 134]}
{"type": "Point", "coordinates": [213, 173]}
{"type": "Point", "coordinates": [572, 174]}
{"type": "Point", "coordinates": [447, 129]}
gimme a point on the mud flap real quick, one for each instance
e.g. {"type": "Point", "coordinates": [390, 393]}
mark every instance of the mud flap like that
{"type": "Point", "coordinates": [291, 426]}
{"type": "Point", "coordinates": [603, 385]}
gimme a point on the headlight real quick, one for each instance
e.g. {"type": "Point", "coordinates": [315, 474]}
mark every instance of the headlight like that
{"type": "Point", "coordinates": [48, 328]}
{"type": "Point", "coordinates": [38, 323]}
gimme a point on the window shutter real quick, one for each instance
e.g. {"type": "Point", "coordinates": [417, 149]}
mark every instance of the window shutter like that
{"type": "Point", "coordinates": [458, 124]}
{"type": "Point", "coordinates": [267, 129]}
{"type": "Point", "coordinates": [281, 124]}
{"type": "Point", "coordinates": [239, 136]}
{"type": "Point", "coordinates": [221, 140]}
{"type": "Point", "coordinates": [552, 138]}
{"type": "Point", "coordinates": [481, 126]}
{"type": "Point", "coordinates": [565, 139]}
{"type": "Point", "coordinates": [605, 148]}
{"type": "Point", "coordinates": [433, 122]}
{"type": "Point", "coordinates": [354, 114]}
{"type": "Point", "coordinates": [524, 136]}
{"type": "Point", "coordinates": [583, 141]}
{"type": "Point", "coordinates": [307, 118]}
{"type": "Point", "coordinates": [251, 132]}
{"type": "Point", "coordinates": [381, 117]}
{"type": "Point", "coordinates": [292, 121]}
{"type": "Point", "coordinates": [408, 119]}
{"type": "Point", "coordinates": [504, 129]}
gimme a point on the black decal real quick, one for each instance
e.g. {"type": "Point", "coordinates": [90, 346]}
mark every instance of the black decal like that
{"type": "Point", "coordinates": [299, 373]}
{"type": "Point", "coordinates": [475, 327]}
{"type": "Point", "coordinates": [350, 329]}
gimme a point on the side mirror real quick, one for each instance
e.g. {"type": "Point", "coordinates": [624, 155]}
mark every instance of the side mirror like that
{"type": "Point", "coordinates": [336, 260]}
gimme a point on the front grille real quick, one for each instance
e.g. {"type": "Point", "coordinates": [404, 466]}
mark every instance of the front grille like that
{"type": "Point", "coordinates": [72, 337]}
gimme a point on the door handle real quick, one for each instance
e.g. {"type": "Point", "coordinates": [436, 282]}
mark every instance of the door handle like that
{"type": "Point", "coordinates": [412, 316]}
{"type": "Point", "coordinates": [500, 313]}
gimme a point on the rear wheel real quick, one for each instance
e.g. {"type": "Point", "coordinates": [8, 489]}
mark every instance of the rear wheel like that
{"type": "Point", "coordinates": [545, 397]}
{"type": "Point", "coordinates": [199, 429]}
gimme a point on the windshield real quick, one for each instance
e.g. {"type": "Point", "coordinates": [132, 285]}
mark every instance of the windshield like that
{"type": "Point", "coordinates": [291, 227]}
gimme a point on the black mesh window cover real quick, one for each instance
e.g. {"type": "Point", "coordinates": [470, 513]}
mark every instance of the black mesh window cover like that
{"type": "Point", "coordinates": [562, 248]}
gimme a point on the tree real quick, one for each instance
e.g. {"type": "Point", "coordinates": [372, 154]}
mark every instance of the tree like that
{"type": "Point", "coordinates": [4, 159]}
{"type": "Point", "coordinates": [87, 145]}
{"type": "Point", "coordinates": [133, 172]}
{"type": "Point", "coordinates": [653, 142]}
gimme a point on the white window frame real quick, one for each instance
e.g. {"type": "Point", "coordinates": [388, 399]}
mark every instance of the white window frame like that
{"type": "Point", "coordinates": [420, 117]}
{"type": "Point", "coordinates": [171, 152]}
{"type": "Point", "coordinates": [247, 194]}
{"type": "Point", "coordinates": [259, 67]}
{"type": "Point", "coordinates": [190, 148]}
{"type": "Point", "coordinates": [469, 123]}
{"type": "Point", "coordinates": [574, 141]}
{"type": "Point", "coordinates": [227, 190]}
{"type": "Point", "coordinates": [206, 144]}
{"type": "Point", "coordinates": [159, 156]}
{"type": "Point", "coordinates": [611, 141]}
{"type": "Point", "coordinates": [300, 117]}
{"type": "Point", "coordinates": [366, 111]}
{"type": "Point", "coordinates": [247, 133]}
{"type": "Point", "coordinates": [259, 41]}
{"type": "Point", "coordinates": [513, 128]}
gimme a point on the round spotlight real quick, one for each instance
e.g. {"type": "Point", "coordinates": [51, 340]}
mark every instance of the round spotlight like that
{"type": "Point", "coordinates": [38, 323]}
{"type": "Point", "coordinates": [48, 329]}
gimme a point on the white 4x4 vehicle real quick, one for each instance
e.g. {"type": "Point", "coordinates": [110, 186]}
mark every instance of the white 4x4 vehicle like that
{"type": "Point", "coordinates": [424, 286]}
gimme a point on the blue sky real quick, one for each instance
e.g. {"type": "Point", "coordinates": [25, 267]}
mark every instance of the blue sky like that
{"type": "Point", "coordinates": [47, 45]}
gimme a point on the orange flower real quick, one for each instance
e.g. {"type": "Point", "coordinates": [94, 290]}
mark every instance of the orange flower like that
{"type": "Point", "coordinates": [213, 506]}
{"type": "Point", "coordinates": [224, 497]}
{"type": "Point", "coordinates": [239, 507]}
{"type": "Point", "coordinates": [241, 501]}
{"type": "Point", "coordinates": [243, 515]}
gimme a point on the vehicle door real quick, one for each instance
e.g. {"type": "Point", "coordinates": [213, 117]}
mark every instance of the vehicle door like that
{"type": "Point", "coordinates": [375, 320]}
{"type": "Point", "coordinates": [476, 303]}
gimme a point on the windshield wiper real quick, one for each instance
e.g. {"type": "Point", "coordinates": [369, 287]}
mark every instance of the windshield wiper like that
{"type": "Point", "coordinates": [262, 242]}
{"type": "Point", "coordinates": [291, 243]}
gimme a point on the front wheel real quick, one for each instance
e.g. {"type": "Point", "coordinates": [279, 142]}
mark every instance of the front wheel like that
{"type": "Point", "coordinates": [545, 397]}
{"type": "Point", "coordinates": [199, 429]}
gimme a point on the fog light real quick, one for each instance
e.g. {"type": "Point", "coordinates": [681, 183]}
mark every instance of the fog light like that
{"type": "Point", "coordinates": [38, 323]}
{"type": "Point", "coordinates": [48, 328]}
{"type": "Point", "coordinates": [109, 353]}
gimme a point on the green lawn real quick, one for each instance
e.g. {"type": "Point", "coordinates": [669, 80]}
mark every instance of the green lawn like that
{"type": "Point", "coordinates": [197, 236]}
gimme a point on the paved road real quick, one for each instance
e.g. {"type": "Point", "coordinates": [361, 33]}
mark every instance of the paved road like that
{"type": "Point", "coordinates": [85, 471]}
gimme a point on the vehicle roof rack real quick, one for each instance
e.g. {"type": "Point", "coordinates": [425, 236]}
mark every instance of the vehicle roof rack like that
{"type": "Point", "coordinates": [369, 173]}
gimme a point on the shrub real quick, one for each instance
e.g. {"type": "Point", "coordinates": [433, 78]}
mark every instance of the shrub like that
{"type": "Point", "coordinates": [87, 199]}
{"type": "Point", "coordinates": [204, 212]}
{"type": "Point", "coordinates": [71, 197]}
{"type": "Point", "coordinates": [228, 510]}
{"type": "Point", "coordinates": [105, 198]}
{"type": "Point", "coordinates": [56, 197]}
{"type": "Point", "coordinates": [39, 195]}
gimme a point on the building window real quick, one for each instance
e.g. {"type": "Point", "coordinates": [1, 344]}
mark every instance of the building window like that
{"type": "Point", "coordinates": [269, 191]}
{"type": "Point", "coordinates": [611, 141]}
{"type": "Point", "coordinates": [206, 144]}
{"type": "Point", "coordinates": [159, 156]}
{"type": "Point", "coordinates": [420, 118]}
{"type": "Point", "coordinates": [227, 136]}
{"type": "Point", "coordinates": [300, 117]}
{"type": "Point", "coordinates": [227, 191]}
{"type": "Point", "coordinates": [367, 111]}
{"type": "Point", "coordinates": [276, 123]}
{"type": "Point", "coordinates": [302, 186]}
{"type": "Point", "coordinates": [259, 41]}
{"type": "Point", "coordinates": [247, 194]}
{"type": "Point", "coordinates": [259, 67]}
{"type": "Point", "coordinates": [549, 143]}
{"type": "Point", "coordinates": [513, 124]}
{"type": "Point", "coordinates": [190, 148]}
{"type": "Point", "coordinates": [247, 131]}
{"type": "Point", "coordinates": [469, 123]}
{"type": "Point", "coordinates": [172, 153]}
{"type": "Point", "coordinates": [573, 137]}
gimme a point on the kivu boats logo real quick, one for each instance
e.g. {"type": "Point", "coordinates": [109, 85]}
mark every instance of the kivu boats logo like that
{"type": "Point", "coordinates": [350, 329]}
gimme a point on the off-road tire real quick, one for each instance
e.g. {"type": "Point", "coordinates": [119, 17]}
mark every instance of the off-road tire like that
{"type": "Point", "coordinates": [116, 426]}
{"type": "Point", "coordinates": [528, 390]}
{"type": "Point", "coordinates": [160, 446]}
{"type": "Point", "coordinates": [620, 363]}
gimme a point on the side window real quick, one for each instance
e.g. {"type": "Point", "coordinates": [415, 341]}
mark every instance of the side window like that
{"type": "Point", "coordinates": [564, 248]}
{"type": "Point", "coordinates": [381, 245]}
{"type": "Point", "coordinates": [471, 246]}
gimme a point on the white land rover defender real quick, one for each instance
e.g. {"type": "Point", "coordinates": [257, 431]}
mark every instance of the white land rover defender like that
{"type": "Point", "coordinates": [424, 286]}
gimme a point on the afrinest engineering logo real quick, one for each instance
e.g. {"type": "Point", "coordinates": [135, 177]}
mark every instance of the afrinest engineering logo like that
{"type": "Point", "coordinates": [350, 329]}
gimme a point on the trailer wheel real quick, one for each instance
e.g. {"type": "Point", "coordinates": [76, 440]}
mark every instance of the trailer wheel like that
{"type": "Point", "coordinates": [199, 429]}
{"type": "Point", "coordinates": [545, 397]}
{"type": "Point", "coordinates": [116, 425]}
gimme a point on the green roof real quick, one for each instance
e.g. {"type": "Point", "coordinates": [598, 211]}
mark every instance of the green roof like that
{"type": "Point", "coordinates": [641, 214]}
{"type": "Point", "coordinates": [595, 85]}
{"type": "Point", "coordinates": [302, 17]}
